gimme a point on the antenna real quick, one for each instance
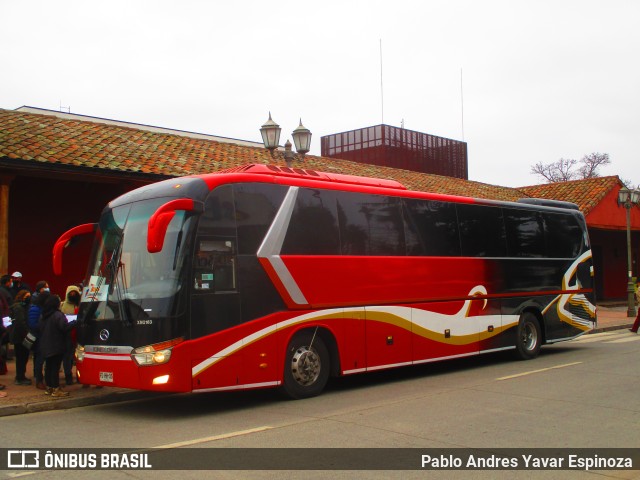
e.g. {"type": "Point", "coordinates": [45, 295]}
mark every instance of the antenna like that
{"type": "Point", "coordinates": [68, 109]}
{"type": "Point", "coordinates": [461, 105]}
{"type": "Point", "coordinates": [381, 86]}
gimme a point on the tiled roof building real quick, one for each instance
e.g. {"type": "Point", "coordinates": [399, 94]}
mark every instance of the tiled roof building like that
{"type": "Point", "coordinates": [586, 193]}
{"type": "Point", "coordinates": [48, 139]}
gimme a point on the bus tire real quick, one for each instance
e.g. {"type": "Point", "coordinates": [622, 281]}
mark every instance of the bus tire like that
{"type": "Point", "coordinates": [529, 337]}
{"type": "Point", "coordinates": [306, 370]}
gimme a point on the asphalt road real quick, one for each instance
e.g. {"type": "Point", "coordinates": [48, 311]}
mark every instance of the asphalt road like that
{"type": "Point", "coordinates": [579, 394]}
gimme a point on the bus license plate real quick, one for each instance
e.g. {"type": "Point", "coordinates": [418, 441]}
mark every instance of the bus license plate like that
{"type": "Point", "coordinates": [106, 377]}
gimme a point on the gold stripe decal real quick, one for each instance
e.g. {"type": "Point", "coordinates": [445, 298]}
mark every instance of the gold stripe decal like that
{"type": "Point", "coordinates": [464, 328]}
{"type": "Point", "coordinates": [567, 304]}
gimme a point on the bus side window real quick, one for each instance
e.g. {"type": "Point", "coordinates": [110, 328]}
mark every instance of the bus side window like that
{"type": "Point", "coordinates": [482, 232]}
{"type": "Point", "coordinates": [370, 224]}
{"type": "Point", "coordinates": [431, 228]}
{"type": "Point", "coordinates": [564, 236]}
{"type": "Point", "coordinates": [314, 224]}
{"type": "Point", "coordinates": [525, 233]}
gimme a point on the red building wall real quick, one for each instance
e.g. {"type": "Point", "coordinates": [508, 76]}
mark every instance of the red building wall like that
{"type": "Point", "coordinates": [610, 262]}
{"type": "Point", "coordinates": [40, 210]}
{"type": "Point", "coordinates": [607, 214]}
{"type": "Point", "coordinates": [607, 224]}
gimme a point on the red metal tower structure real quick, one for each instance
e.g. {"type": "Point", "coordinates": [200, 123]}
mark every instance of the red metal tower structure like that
{"type": "Point", "coordinates": [399, 148]}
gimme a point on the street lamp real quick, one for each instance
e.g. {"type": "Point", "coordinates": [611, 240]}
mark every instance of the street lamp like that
{"type": "Point", "coordinates": [302, 139]}
{"type": "Point", "coordinates": [270, 134]}
{"type": "Point", "coordinates": [271, 137]}
{"type": "Point", "coordinates": [628, 199]}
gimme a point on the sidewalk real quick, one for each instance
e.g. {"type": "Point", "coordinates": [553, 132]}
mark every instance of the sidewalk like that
{"type": "Point", "coordinates": [28, 399]}
{"type": "Point", "coordinates": [612, 318]}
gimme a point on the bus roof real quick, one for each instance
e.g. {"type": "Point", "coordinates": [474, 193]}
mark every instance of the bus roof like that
{"type": "Point", "coordinates": [189, 187]}
{"type": "Point", "coordinates": [308, 174]}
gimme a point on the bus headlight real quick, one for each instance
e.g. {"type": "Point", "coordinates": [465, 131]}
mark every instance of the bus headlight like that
{"type": "Point", "coordinates": [79, 353]}
{"type": "Point", "coordinates": [156, 354]}
{"type": "Point", "coordinates": [144, 357]}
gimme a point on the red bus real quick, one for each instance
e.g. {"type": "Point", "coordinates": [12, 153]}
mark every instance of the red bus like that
{"type": "Point", "coordinates": [266, 276]}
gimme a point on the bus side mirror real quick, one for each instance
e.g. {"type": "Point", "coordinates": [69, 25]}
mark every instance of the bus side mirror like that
{"type": "Point", "coordinates": [159, 221]}
{"type": "Point", "coordinates": [64, 239]}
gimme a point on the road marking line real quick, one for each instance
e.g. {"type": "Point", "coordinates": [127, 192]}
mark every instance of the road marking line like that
{"type": "Point", "coordinates": [538, 371]}
{"type": "Point", "coordinates": [596, 337]}
{"type": "Point", "coordinates": [626, 339]}
{"type": "Point", "coordinates": [214, 438]}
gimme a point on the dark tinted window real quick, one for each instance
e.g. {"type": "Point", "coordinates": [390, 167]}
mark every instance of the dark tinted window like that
{"type": "Point", "coordinates": [313, 229]}
{"type": "Point", "coordinates": [432, 228]}
{"type": "Point", "coordinates": [256, 206]}
{"type": "Point", "coordinates": [525, 233]}
{"type": "Point", "coordinates": [565, 238]}
{"type": "Point", "coordinates": [481, 231]}
{"type": "Point", "coordinates": [218, 217]}
{"type": "Point", "coordinates": [370, 224]}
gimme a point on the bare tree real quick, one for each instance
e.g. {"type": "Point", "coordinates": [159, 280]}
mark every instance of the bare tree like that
{"type": "Point", "coordinates": [629, 184]}
{"type": "Point", "coordinates": [591, 163]}
{"type": "Point", "coordinates": [560, 171]}
{"type": "Point", "coordinates": [565, 169]}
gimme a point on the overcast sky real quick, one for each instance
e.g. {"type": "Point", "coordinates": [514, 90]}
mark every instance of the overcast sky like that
{"type": "Point", "coordinates": [541, 80]}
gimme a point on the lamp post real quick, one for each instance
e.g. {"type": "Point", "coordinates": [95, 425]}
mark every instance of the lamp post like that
{"type": "Point", "coordinates": [628, 199]}
{"type": "Point", "coordinates": [271, 137]}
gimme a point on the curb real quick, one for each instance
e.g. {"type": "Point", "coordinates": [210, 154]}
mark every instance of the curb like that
{"type": "Point", "coordinates": [47, 405]}
{"type": "Point", "coordinates": [612, 327]}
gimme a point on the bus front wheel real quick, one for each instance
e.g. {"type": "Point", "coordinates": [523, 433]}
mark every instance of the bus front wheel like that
{"type": "Point", "coordinates": [529, 337]}
{"type": "Point", "coordinates": [306, 368]}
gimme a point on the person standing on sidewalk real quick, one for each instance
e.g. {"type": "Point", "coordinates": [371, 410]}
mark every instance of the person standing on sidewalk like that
{"type": "Point", "coordinates": [6, 300]}
{"type": "Point", "coordinates": [4, 314]}
{"type": "Point", "coordinates": [54, 329]}
{"type": "Point", "coordinates": [18, 284]}
{"type": "Point", "coordinates": [70, 306]}
{"type": "Point", "coordinates": [19, 330]}
{"type": "Point", "coordinates": [35, 311]}
{"type": "Point", "coordinates": [6, 283]}
{"type": "Point", "coordinates": [636, 324]}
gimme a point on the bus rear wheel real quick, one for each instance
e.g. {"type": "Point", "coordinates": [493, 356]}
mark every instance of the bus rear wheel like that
{"type": "Point", "coordinates": [529, 337]}
{"type": "Point", "coordinates": [306, 368]}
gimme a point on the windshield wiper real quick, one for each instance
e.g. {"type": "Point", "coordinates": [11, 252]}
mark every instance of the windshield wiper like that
{"type": "Point", "coordinates": [116, 268]}
{"type": "Point", "coordinates": [119, 282]}
{"type": "Point", "coordinates": [175, 255]}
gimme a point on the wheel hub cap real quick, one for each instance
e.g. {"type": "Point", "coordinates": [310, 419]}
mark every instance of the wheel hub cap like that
{"type": "Point", "coordinates": [305, 366]}
{"type": "Point", "coordinates": [529, 337]}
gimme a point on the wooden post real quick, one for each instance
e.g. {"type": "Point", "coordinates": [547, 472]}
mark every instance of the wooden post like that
{"type": "Point", "coordinates": [5, 181]}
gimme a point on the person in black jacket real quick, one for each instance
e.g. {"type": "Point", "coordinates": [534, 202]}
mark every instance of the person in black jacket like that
{"type": "Point", "coordinates": [6, 299]}
{"type": "Point", "coordinates": [18, 284]}
{"type": "Point", "coordinates": [54, 328]}
{"type": "Point", "coordinates": [34, 313]}
{"type": "Point", "coordinates": [19, 330]}
{"type": "Point", "coordinates": [6, 283]}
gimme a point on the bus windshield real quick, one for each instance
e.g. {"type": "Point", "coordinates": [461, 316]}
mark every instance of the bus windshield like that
{"type": "Point", "coordinates": [124, 280]}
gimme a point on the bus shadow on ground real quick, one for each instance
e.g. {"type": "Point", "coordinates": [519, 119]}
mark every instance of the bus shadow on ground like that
{"type": "Point", "coordinates": [189, 405]}
{"type": "Point", "coordinates": [441, 367]}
